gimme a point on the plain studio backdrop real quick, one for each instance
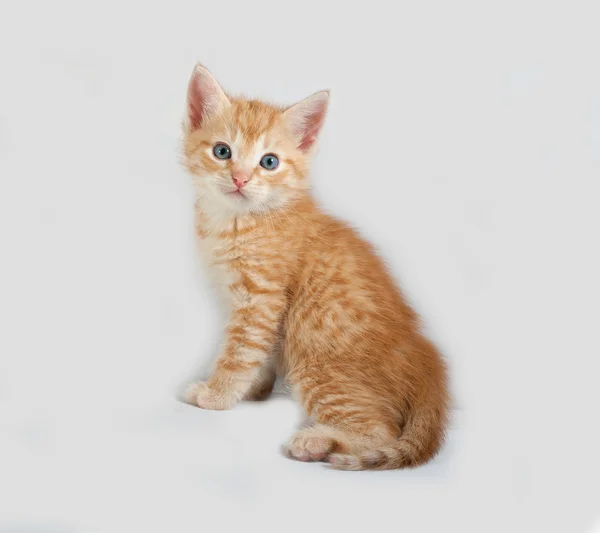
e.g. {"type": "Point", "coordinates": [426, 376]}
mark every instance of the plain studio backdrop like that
{"type": "Point", "coordinates": [463, 139]}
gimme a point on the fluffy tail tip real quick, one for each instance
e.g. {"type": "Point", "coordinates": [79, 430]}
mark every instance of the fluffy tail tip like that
{"type": "Point", "coordinates": [342, 461]}
{"type": "Point", "coordinates": [381, 459]}
{"type": "Point", "coordinates": [374, 459]}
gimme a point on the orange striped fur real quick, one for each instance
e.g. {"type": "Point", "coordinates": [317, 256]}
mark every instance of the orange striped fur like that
{"type": "Point", "coordinates": [309, 299]}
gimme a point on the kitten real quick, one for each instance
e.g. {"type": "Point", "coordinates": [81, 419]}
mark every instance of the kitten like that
{"type": "Point", "coordinates": [308, 298]}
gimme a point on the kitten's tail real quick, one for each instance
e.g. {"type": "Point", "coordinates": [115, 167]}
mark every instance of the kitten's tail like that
{"type": "Point", "coordinates": [420, 441]}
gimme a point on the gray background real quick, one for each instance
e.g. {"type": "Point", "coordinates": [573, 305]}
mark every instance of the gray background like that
{"type": "Point", "coordinates": [463, 139]}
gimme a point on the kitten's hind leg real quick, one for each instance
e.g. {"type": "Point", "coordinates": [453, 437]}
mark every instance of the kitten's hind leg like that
{"type": "Point", "coordinates": [319, 442]}
{"type": "Point", "coordinates": [343, 423]}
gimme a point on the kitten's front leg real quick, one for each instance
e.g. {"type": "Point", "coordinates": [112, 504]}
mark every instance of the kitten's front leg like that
{"type": "Point", "coordinates": [250, 337]}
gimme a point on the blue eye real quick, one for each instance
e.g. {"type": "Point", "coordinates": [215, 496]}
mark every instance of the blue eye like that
{"type": "Point", "coordinates": [222, 151]}
{"type": "Point", "coordinates": [269, 161]}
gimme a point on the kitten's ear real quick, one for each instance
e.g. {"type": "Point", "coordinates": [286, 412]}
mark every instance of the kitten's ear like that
{"type": "Point", "coordinates": [205, 97]}
{"type": "Point", "coordinates": [306, 118]}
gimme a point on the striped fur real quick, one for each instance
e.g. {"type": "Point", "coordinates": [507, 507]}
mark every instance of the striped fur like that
{"type": "Point", "coordinates": [308, 297]}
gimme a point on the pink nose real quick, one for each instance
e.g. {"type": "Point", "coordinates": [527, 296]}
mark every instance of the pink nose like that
{"type": "Point", "coordinates": [240, 179]}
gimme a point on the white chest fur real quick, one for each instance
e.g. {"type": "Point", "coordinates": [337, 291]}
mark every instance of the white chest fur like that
{"type": "Point", "coordinates": [216, 254]}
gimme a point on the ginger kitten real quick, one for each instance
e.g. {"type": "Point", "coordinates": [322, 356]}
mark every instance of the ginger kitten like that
{"type": "Point", "coordinates": [308, 297]}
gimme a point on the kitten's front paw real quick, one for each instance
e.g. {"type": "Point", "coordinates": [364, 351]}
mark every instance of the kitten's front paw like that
{"type": "Point", "coordinates": [203, 396]}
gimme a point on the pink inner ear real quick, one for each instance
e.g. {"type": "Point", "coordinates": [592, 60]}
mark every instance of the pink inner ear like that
{"type": "Point", "coordinates": [308, 117]}
{"type": "Point", "coordinates": [198, 98]}
{"type": "Point", "coordinates": [311, 128]}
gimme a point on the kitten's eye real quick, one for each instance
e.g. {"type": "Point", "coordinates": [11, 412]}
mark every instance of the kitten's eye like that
{"type": "Point", "coordinates": [222, 151]}
{"type": "Point", "coordinates": [269, 161]}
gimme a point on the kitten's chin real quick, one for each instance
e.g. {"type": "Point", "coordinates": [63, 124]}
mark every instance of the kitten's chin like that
{"type": "Point", "coordinates": [237, 201]}
{"type": "Point", "coordinates": [233, 203]}
{"type": "Point", "coordinates": [228, 203]}
{"type": "Point", "coordinates": [237, 197]}
{"type": "Point", "coordinates": [247, 201]}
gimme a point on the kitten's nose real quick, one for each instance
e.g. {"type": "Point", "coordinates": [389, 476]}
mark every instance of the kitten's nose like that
{"type": "Point", "coordinates": [240, 179]}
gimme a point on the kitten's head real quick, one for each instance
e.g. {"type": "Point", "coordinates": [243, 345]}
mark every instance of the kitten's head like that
{"type": "Point", "coordinates": [247, 155]}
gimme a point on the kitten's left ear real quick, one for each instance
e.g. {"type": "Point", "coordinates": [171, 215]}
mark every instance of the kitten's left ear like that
{"type": "Point", "coordinates": [205, 97]}
{"type": "Point", "coordinates": [306, 118]}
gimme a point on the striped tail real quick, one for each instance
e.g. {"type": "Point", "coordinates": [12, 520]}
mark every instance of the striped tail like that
{"type": "Point", "coordinates": [420, 441]}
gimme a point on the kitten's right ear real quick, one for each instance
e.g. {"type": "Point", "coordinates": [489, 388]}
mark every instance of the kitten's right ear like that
{"type": "Point", "coordinates": [204, 98]}
{"type": "Point", "coordinates": [306, 118]}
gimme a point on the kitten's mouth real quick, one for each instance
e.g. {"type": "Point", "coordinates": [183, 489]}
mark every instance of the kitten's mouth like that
{"type": "Point", "coordinates": [237, 194]}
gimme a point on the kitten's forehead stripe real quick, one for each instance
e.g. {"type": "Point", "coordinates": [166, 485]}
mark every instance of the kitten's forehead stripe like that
{"type": "Point", "coordinates": [254, 118]}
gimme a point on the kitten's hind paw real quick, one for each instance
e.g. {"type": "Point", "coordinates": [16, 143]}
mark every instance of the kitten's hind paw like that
{"type": "Point", "coordinates": [309, 445]}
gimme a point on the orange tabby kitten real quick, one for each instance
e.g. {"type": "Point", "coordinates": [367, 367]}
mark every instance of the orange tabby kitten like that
{"type": "Point", "coordinates": [308, 298]}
